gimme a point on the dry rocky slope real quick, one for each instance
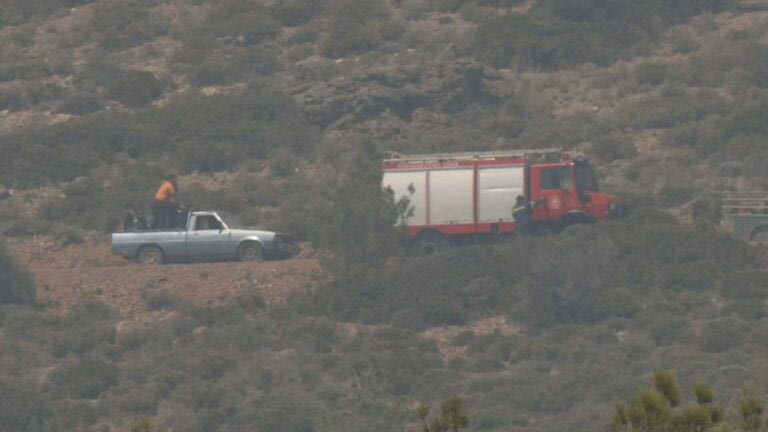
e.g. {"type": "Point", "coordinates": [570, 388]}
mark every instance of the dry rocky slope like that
{"type": "Point", "coordinates": [389, 98]}
{"type": "Point", "coordinates": [88, 271]}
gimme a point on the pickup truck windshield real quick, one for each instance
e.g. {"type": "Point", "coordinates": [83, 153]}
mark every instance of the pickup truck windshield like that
{"type": "Point", "coordinates": [231, 221]}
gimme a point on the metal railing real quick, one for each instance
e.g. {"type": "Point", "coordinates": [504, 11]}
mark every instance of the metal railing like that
{"type": "Point", "coordinates": [535, 154]}
{"type": "Point", "coordinates": [744, 203]}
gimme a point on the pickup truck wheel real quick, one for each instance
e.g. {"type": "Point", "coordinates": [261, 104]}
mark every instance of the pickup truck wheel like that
{"type": "Point", "coordinates": [151, 255]}
{"type": "Point", "coordinates": [250, 251]}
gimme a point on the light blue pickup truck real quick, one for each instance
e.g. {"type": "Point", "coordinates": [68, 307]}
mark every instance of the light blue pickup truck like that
{"type": "Point", "coordinates": [208, 236]}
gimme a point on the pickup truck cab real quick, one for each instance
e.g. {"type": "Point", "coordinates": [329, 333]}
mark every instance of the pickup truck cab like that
{"type": "Point", "coordinates": [208, 236]}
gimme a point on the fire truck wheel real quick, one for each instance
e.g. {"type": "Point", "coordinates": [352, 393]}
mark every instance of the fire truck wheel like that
{"type": "Point", "coordinates": [431, 241]}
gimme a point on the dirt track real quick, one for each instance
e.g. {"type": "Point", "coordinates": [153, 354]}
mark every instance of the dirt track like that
{"type": "Point", "coordinates": [89, 272]}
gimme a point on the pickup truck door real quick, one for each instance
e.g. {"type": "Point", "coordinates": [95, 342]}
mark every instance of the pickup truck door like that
{"type": "Point", "coordinates": [208, 238]}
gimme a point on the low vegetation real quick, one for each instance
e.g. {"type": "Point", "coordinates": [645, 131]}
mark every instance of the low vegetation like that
{"type": "Point", "coordinates": [99, 99]}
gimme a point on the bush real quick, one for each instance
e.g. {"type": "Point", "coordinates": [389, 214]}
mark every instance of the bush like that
{"type": "Point", "coordinates": [355, 220]}
{"type": "Point", "coordinates": [134, 88]}
{"type": "Point", "coordinates": [80, 103]}
{"type": "Point", "coordinates": [250, 124]}
{"type": "Point", "coordinates": [722, 335]}
{"type": "Point", "coordinates": [13, 100]}
{"type": "Point", "coordinates": [86, 377]}
{"type": "Point", "coordinates": [16, 285]}
{"type": "Point", "coordinates": [121, 24]}
{"type": "Point", "coordinates": [23, 70]}
{"type": "Point", "coordinates": [83, 329]}
{"type": "Point", "coordinates": [248, 61]}
{"type": "Point", "coordinates": [564, 33]}
{"type": "Point", "coordinates": [674, 195]}
{"type": "Point", "coordinates": [28, 228]}
{"type": "Point", "coordinates": [247, 21]}
{"type": "Point", "coordinates": [23, 405]}
{"type": "Point", "coordinates": [162, 300]}
{"type": "Point", "coordinates": [436, 310]}
{"type": "Point", "coordinates": [20, 98]}
{"type": "Point", "coordinates": [545, 282]}
{"type": "Point", "coordinates": [356, 27]}
{"type": "Point", "coordinates": [612, 147]}
{"type": "Point", "coordinates": [292, 13]}
{"type": "Point", "coordinates": [651, 73]}
{"type": "Point", "coordinates": [407, 319]}
{"type": "Point", "coordinates": [13, 12]}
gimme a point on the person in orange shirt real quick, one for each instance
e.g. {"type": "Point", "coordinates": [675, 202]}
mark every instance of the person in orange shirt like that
{"type": "Point", "coordinates": [164, 204]}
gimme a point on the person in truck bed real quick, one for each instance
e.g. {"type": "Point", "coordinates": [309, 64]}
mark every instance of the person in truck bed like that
{"type": "Point", "coordinates": [164, 206]}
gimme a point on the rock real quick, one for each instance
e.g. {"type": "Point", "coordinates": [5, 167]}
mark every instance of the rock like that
{"type": "Point", "coordinates": [448, 87]}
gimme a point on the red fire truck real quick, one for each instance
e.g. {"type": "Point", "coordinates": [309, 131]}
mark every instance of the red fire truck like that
{"type": "Point", "coordinates": [459, 197]}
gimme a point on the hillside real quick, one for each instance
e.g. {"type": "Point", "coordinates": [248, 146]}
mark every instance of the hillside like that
{"type": "Point", "coordinates": [279, 111]}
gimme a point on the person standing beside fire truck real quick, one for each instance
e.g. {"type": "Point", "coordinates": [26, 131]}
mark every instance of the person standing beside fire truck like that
{"type": "Point", "coordinates": [522, 212]}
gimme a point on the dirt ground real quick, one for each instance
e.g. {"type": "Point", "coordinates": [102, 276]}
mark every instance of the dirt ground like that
{"type": "Point", "coordinates": [89, 271]}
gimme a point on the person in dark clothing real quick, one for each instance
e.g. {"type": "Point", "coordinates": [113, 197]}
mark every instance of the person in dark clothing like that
{"type": "Point", "coordinates": [129, 221]}
{"type": "Point", "coordinates": [522, 212]}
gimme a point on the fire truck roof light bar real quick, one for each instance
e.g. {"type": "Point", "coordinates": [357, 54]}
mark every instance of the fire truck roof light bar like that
{"type": "Point", "coordinates": [395, 157]}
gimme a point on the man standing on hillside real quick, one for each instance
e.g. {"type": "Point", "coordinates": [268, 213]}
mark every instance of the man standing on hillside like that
{"type": "Point", "coordinates": [164, 204]}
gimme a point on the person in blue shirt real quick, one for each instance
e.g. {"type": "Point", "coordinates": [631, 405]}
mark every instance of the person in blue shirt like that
{"type": "Point", "coordinates": [522, 212]}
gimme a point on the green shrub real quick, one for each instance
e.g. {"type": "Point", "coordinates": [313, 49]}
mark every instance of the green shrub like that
{"type": "Point", "coordinates": [258, 60]}
{"type": "Point", "coordinates": [83, 329]}
{"type": "Point", "coordinates": [86, 377]}
{"type": "Point", "coordinates": [121, 24]}
{"type": "Point", "coordinates": [722, 335]}
{"type": "Point", "coordinates": [355, 220]}
{"type": "Point", "coordinates": [476, 13]}
{"type": "Point", "coordinates": [437, 310]}
{"type": "Point", "coordinates": [612, 147]}
{"type": "Point", "coordinates": [745, 309]}
{"type": "Point", "coordinates": [23, 70]}
{"type": "Point", "coordinates": [134, 88]}
{"type": "Point", "coordinates": [745, 285]}
{"type": "Point", "coordinates": [292, 13]}
{"type": "Point", "coordinates": [356, 27]}
{"type": "Point", "coordinates": [13, 12]}
{"type": "Point", "coordinates": [250, 124]}
{"type": "Point", "coordinates": [248, 21]}
{"type": "Point", "coordinates": [162, 300]}
{"type": "Point", "coordinates": [564, 33]}
{"type": "Point", "coordinates": [450, 5]}
{"type": "Point", "coordinates": [16, 285]}
{"type": "Point", "coordinates": [13, 100]}
{"type": "Point", "coordinates": [81, 103]}
{"type": "Point", "coordinates": [407, 319]}
{"type": "Point", "coordinates": [651, 73]}
{"type": "Point", "coordinates": [23, 405]}
{"type": "Point", "coordinates": [666, 329]}
{"type": "Point", "coordinates": [671, 195]}
{"type": "Point", "coordinates": [522, 41]}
